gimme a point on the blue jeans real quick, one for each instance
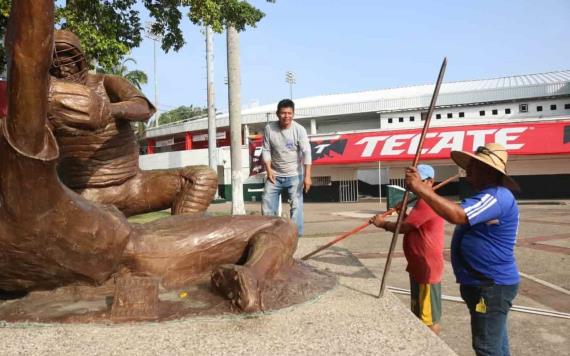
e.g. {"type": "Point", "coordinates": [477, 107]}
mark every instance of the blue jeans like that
{"type": "Point", "coordinates": [271, 192]}
{"type": "Point", "coordinates": [489, 329]}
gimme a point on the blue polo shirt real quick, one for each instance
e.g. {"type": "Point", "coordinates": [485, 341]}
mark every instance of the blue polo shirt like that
{"type": "Point", "coordinates": [487, 242]}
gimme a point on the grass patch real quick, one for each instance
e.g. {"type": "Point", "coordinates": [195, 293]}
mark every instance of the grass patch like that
{"type": "Point", "coordinates": [148, 217]}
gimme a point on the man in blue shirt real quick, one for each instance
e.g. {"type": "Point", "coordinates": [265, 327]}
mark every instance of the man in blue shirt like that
{"type": "Point", "coordinates": [482, 248]}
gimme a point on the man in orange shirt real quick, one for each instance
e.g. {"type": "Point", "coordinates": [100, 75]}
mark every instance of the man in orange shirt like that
{"type": "Point", "coordinates": [423, 247]}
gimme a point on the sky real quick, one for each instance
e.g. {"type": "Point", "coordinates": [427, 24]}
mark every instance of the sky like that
{"type": "Point", "coordinates": [341, 46]}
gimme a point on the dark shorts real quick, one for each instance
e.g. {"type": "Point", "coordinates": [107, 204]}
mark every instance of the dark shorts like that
{"type": "Point", "coordinates": [426, 302]}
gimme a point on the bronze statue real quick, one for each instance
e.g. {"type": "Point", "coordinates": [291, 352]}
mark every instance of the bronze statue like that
{"type": "Point", "coordinates": [50, 236]}
{"type": "Point", "coordinates": [91, 116]}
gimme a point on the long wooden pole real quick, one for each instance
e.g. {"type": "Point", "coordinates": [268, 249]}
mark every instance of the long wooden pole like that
{"type": "Point", "coordinates": [363, 226]}
{"type": "Point", "coordinates": [414, 163]}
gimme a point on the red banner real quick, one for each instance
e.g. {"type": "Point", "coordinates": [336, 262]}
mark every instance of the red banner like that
{"type": "Point", "coordinates": [531, 138]}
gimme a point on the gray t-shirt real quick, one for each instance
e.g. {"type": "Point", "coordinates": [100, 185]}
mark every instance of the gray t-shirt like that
{"type": "Point", "coordinates": [287, 149]}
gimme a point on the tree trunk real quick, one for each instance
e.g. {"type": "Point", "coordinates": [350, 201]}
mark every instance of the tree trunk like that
{"type": "Point", "coordinates": [212, 135]}
{"type": "Point", "coordinates": [234, 105]}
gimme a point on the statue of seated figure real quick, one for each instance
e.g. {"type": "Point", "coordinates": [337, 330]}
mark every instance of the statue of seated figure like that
{"type": "Point", "coordinates": [91, 116]}
{"type": "Point", "coordinates": [50, 236]}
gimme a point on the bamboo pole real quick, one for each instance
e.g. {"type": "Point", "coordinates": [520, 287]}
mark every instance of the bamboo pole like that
{"type": "Point", "coordinates": [414, 164]}
{"type": "Point", "coordinates": [363, 226]}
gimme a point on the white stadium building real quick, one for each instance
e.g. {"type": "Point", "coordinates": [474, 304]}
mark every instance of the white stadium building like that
{"type": "Point", "coordinates": [362, 141]}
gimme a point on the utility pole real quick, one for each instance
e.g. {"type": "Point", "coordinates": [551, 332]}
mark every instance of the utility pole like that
{"type": "Point", "coordinates": [155, 37]}
{"type": "Point", "coordinates": [234, 106]}
{"type": "Point", "coordinates": [212, 134]}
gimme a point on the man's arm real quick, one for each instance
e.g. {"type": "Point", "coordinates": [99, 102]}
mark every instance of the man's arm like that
{"type": "Point", "coordinates": [443, 207]}
{"type": "Point", "coordinates": [127, 102]}
{"type": "Point", "coordinates": [266, 155]}
{"type": "Point", "coordinates": [307, 159]}
{"type": "Point", "coordinates": [307, 181]}
{"type": "Point", "coordinates": [379, 221]}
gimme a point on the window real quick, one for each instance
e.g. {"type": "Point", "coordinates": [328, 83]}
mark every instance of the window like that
{"type": "Point", "coordinates": [321, 181]}
{"type": "Point", "coordinates": [412, 118]}
{"type": "Point", "coordinates": [553, 107]}
{"type": "Point", "coordinates": [523, 107]}
{"type": "Point", "coordinates": [507, 111]}
{"type": "Point", "coordinates": [539, 108]}
{"type": "Point", "coordinates": [495, 111]}
{"type": "Point", "coordinates": [400, 119]}
{"type": "Point", "coordinates": [482, 113]}
{"type": "Point", "coordinates": [449, 115]}
{"type": "Point", "coordinates": [438, 116]}
{"type": "Point", "coordinates": [461, 114]}
{"type": "Point", "coordinates": [566, 106]}
{"type": "Point", "coordinates": [390, 120]}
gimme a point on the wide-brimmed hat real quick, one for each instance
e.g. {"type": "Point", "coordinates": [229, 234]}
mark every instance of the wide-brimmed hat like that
{"type": "Point", "coordinates": [493, 155]}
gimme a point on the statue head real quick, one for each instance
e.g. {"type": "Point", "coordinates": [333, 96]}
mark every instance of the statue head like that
{"type": "Point", "coordinates": [69, 62]}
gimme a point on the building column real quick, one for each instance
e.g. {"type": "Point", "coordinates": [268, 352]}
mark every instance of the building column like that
{"type": "Point", "coordinates": [150, 144]}
{"type": "Point", "coordinates": [246, 135]}
{"type": "Point", "coordinates": [188, 141]}
{"type": "Point", "coordinates": [313, 127]}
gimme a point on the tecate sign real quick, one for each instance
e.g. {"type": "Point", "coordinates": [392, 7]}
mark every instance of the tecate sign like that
{"type": "Point", "coordinates": [519, 139]}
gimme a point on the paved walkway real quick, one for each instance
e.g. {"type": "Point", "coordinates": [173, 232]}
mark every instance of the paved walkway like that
{"type": "Point", "coordinates": [543, 255]}
{"type": "Point", "coordinates": [349, 319]}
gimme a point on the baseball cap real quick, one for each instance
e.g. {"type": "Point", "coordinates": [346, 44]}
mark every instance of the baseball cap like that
{"type": "Point", "coordinates": [426, 171]}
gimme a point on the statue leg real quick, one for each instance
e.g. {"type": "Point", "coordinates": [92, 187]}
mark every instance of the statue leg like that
{"type": "Point", "coordinates": [186, 190]}
{"type": "Point", "coordinates": [270, 250]}
{"type": "Point", "coordinates": [197, 191]}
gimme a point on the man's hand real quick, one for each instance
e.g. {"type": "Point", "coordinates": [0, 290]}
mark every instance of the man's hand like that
{"type": "Point", "coordinates": [413, 180]}
{"type": "Point", "coordinates": [307, 182]}
{"type": "Point", "coordinates": [271, 176]}
{"type": "Point", "coordinates": [377, 220]}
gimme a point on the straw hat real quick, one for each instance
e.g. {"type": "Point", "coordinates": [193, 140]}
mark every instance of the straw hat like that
{"type": "Point", "coordinates": [493, 155]}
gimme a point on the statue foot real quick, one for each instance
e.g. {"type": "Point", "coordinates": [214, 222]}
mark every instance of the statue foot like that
{"type": "Point", "coordinates": [239, 285]}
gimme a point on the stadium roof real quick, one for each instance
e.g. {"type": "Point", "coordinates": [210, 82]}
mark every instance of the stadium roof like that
{"type": "Point", "coordinates": [399, 99]}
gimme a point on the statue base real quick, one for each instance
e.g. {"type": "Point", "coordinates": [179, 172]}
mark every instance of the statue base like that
{"type": "Point", "coordinates": [134, 299]}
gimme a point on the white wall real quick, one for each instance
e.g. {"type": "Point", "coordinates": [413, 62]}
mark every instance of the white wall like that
{"type": "Point", "coordinates": [538, 165]}
{"type": "Point", "coordinates": [372, 177]}
{"type": "Point", "coordinates": [179, 159]}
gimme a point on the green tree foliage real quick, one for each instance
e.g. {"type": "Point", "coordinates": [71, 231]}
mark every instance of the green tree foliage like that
{"type": "Point", "coordinates": [181, 113]}
{"type": "Point", "coordinates": [109, 29]}
{"type": "Point", "coordinates": [136, 77]}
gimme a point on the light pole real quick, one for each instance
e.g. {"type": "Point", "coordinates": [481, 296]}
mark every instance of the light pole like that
{"type": "Point", "coordinates": [155, 37]}
{"type": "Point", "coordinates": [290, 78]}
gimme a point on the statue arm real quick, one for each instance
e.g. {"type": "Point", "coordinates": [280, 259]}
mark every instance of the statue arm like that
{"type": "Point", "coordinates": [29, 52]}
{"type": "Point", "coordinates": [127, 102]}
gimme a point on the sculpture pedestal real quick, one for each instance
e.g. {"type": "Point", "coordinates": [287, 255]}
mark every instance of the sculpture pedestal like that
{"type": "Point", "coordinates": [83, 304]}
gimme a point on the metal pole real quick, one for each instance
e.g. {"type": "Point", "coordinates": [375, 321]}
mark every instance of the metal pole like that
{"type": "Point", "coordinates": [212, 134]}
{"type": "Point", "coordinates": [414, 163]}
{"type": "Point", "coordinates": [380, 182]}
{"type": "Point", "coordinates": [363, 226]}
{"type": "Point", "coordinates": [238, 207]}
{"type": "Point", "coordinates": [155, 87]}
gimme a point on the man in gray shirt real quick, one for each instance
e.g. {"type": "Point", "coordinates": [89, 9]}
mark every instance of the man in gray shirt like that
{"type": "Point", "coordinates": [286, 151]}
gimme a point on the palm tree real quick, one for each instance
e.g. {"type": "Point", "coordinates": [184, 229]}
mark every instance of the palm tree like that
{"type": "Point", "coordinates": [136, 77]}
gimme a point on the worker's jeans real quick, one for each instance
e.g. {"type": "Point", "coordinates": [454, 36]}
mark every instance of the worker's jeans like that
{"type": "Point", "coordinates": [272, 192]}
{"type": "Point", "coordinates": [489, 328]}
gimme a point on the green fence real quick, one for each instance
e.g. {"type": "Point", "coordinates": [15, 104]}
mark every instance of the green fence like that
{"type": "Point", "coordinates": [394, 194]}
